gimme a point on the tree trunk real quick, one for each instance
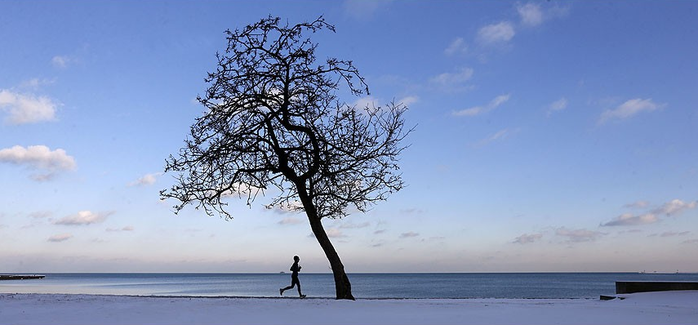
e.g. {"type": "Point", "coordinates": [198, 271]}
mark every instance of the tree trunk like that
{"type": "Point", "coordinates": [341, 281]}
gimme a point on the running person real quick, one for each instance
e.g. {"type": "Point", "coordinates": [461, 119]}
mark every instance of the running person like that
{"type": "Point", "coordinates": [294, 277]}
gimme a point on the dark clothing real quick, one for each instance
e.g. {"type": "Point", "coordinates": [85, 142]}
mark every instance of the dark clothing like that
{"type": "Point", "coordinates": [295, 268]}
{"type": "Point", "coordinates": [295, 281]}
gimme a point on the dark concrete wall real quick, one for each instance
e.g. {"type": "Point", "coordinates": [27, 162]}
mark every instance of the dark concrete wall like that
{"type": "Point", "coordinates": [639, 286]}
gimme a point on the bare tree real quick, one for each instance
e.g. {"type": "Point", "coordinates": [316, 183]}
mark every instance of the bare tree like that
{"type": "Point", "coordinates": [273, 125]}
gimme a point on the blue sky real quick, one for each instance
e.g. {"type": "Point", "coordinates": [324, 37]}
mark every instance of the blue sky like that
{"type": "Point", "coordinates": [550, 136]}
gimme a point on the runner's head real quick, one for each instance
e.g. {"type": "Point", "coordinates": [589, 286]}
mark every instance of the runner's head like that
{"type": "Point", "coordinates": [296, 258]}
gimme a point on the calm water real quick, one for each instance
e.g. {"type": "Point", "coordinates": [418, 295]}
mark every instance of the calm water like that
{"type": "Point", "coordinates": [364, 285]}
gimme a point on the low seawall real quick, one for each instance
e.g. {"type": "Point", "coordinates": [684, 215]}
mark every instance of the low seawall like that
{"type": "Point", "coordinates": [20, 277]}
{"type": "Point", "coordinates": [647, 286]}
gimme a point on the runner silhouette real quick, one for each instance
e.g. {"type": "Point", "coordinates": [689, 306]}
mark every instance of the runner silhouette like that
{"type": "Point", "coordinates": [294, 277]}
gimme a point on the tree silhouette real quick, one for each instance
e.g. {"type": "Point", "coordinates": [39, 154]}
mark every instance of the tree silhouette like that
{"type": "Point", "coordinates": [273, 125]}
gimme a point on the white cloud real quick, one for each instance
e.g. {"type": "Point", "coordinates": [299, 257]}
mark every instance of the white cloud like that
{"type": "Point", "coordinates": [527, 239]}
{"type": "Point", "coordinates": [147, 179]}
{"type": "Point", "coordinates": [39, 158]}
{"type": "Point", "coordinates": [557, 105]}
{"type": "Point", "coordinates": [530, 14]}
{"type": "Point", "coordinates": [628, 219]}
{"type": "Point", "coordinates": [478, 110]}
{"type": "Point", "coordinates": [578, 235]}
{"type": "Point", "coordinates": [670, 208]}
{"type": "Point", "coordinates": [674, 207]}
{"type": "Point", "coordinates": [456, 78]}
{"type": "Point", "coordinates": [409, 100]}
{"type": "Point", "coordinates": [83, 218]}
{"type": "Point", "coordinates": [60, 238]}
{"type": "Point", "coordinates": [410, 234]}
{"type": "Point", "coordinates": [366, 101]}
{"type": "Point", "coordinates": [496, 33]}
{"type": "Point", "coordinates": [630, 108]}
{"type": "Point", "coordinates": [458, 46]}
{"type": "Point", "coordinates": [26, 108]}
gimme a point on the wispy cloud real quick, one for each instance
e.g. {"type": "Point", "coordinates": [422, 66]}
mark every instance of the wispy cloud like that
{"type": "Point", "coordinates": [496, 33]}
{"type": "Point", "coordinates": [83, 218]}
{"type": "Point", "coordinates": [335, 233]}
{"type": "Point", "coordinates": [127, 228]}
{"type": "Point", "coordinates": [534, 14]}
{"type": "Point", "coordinates": [40, 158]}
{"type": "Point", "coordinates": [411, 211]}
{"type": "Point", "coordinates": [527, 238]}
{"type": "Point", "coordinates": [61, 61]}
{"type": "Point", "coordinates": [290, 221]}
{"type": "Point", "coordinates": [628, 219]}
{"type": "Point", "coordinates": [637, 205]}
{"type": "Point", "coordinates": [530, 14]}
{"type": "Point", "coordinates": [457, 47]}
{"type": "Point", "coordinates": [351, 225]}
{"type": "Point", "coordinates": [409, 234]}
{"type": "Point", "coordinates": [26, 108]}
{"type": "Point", "coordinates": [670, 208]}
{"type": "Point", "coordinates": [558, 105]}
{"type": "Point", "coordinates": [366, 101]}
{"type": "Point", "coordinates": [674, 233]}
{"type": "Point", "coordinates": [40, 214]}
{"type": "Point", "coordinates": [453, 79]}
{"type": "Point", "coordinates": [578, 235]}
{"type": "Point", "coordinates": [60, 238]}
{"type": "Point", "coordinates": [332, 233]}
{"type": "Point", "coordinates": [498, 136]}
{"type": "Point", "coordinates": [629, 109]}
{"type": "Point", "coordinates": [478, 110]}
{"type": "Point", "coordinates": [36, 83]}
{"type": "Point", "coordinates": [674, 207]}
{"type": "Point", "coordinates": [408, 100]}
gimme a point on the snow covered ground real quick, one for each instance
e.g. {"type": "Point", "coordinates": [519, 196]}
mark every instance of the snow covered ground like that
{"type": "Point", "coordinates": [675, 307]}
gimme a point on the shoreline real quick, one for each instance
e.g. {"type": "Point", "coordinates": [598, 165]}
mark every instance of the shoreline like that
{"type": "Point", "coordinates": [272, 297]}
{"type": "Point", "coordinates": [676, 307]}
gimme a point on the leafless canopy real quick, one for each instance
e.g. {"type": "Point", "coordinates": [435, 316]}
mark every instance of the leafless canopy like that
{"type": "Point", "coordinates": [273, 121]}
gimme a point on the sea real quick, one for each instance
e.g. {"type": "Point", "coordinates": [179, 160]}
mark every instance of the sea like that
{"type": "Point", "coordinates": [364, 285]}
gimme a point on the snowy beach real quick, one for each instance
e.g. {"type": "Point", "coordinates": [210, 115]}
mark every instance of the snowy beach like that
{"type": "Point", "coordinates": [675, 307]}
